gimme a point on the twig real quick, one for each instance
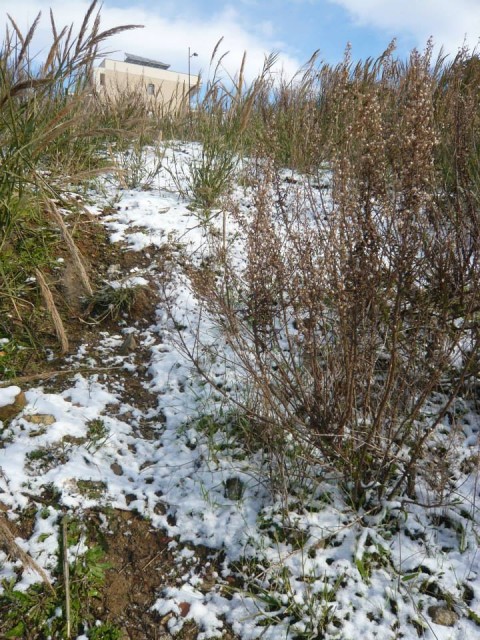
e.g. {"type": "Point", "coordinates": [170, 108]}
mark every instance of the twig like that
{"type": "Point", "coordinates": [46, 375]}
{"type": "Point", "coordinates": [155, 557]}
{"type": "Point", "coordinates": [66, 575]}
{"type": "Point", "coordinates": [127, 564]}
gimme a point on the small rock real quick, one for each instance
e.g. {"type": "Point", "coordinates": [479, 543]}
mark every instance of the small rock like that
{"type": "Point", "coordinates": [116, 468]}
{"type": "Point", "coordinates": [442, 615]}
{"type": "Point", "coordinates": [128, 345]}
{"type": "Point", "coordinates": [41, 418]}
{"type": "Point", "coordinates": [234, 489]}
{"type": "Point", "coordinates": [12, 401]}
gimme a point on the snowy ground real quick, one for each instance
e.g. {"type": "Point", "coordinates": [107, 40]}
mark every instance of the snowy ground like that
{"type": "Point", "coordinates": [297, 565]}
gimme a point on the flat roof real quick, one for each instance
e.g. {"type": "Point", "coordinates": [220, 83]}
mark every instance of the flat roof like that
{"type": "Point", "coordinates": [145, 62]}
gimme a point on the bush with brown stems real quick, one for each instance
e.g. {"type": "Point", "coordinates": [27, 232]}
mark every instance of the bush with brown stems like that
{"type": "Point", "coordinates": [354, 318]}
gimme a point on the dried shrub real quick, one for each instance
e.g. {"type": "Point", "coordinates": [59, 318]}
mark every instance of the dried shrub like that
{"type": "Point", "coordinates": [356, 307]}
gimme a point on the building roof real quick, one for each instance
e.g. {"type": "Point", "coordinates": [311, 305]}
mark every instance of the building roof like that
{"type": "Point", "coordinates": [145, 62]}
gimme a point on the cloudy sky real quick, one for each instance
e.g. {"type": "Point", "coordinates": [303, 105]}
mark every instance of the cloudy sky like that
{"type": "Point", "coordinates": [294, 28]}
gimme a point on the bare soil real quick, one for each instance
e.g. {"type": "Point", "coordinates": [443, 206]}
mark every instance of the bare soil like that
{"type": "Point", "coordinates": [141, 562]}
{"type": "Point", "coordinates": [142, 565]}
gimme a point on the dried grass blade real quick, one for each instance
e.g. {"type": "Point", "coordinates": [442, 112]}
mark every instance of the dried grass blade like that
{"type": "Point", "coordinates": [104, 35]}
{"type": "Point", "coordinates": [33, 83]}
{"type": "Point", "coordinates": [66, 576]}
{"type": "Point", "coordinates": [83, 28]}
{"type": "Point", "coordinates": [16, 29]}
{"type": "Point", "coordinates": [50, 304]}
{"type": "Point", "coordinates": [219, 63]}
{"type": "Point", "coordinates": [28, 39]}
{"type": "Point", "coordinates": [54, 49]}
{"type": "Point", "coordinates": [53, 25]}
{"type": "Point", "coordinates": [240, 76]}
{"type": "Point", "coordinates": [71, 246]}
{"type": "Point", "coordinates": [215, 49]}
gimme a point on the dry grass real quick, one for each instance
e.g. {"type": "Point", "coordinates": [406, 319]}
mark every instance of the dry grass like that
{"type": "Point", "coordinates": [47, 141]}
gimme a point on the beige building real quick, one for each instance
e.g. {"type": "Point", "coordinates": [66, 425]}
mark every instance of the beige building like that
{"type": "Point", "coordinates": [149, 78]}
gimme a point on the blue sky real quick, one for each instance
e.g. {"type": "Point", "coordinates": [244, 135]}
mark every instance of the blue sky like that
{"type": "Point", "coordinates": [294, 28]}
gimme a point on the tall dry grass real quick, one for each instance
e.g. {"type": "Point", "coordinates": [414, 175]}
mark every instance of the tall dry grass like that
{"type": "Point", "coordinates": [47, 141]}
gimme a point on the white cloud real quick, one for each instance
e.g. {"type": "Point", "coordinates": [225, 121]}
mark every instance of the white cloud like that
{"type": "Point", "coordinates": [450, 22]}
{"type": "Point", "coordinates": [163, 38]}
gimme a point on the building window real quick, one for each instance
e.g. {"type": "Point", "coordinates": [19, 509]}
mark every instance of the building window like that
{"type": "Point", "coordinates": [102, 79]}
{"type": "Point", "coordinates": [151, 89]}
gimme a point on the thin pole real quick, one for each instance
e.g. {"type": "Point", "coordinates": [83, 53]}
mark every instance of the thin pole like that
{"type": "Point", "coordinates": [189, 78]}
{"type": "Point", "coordinates": [190, 55]}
